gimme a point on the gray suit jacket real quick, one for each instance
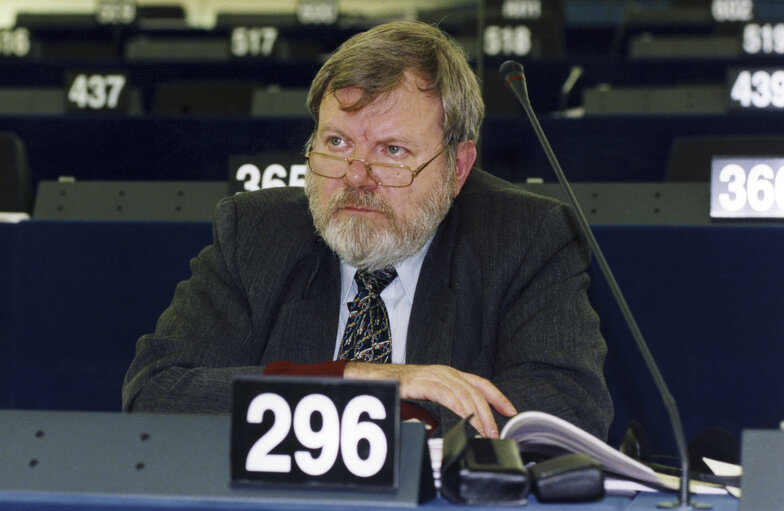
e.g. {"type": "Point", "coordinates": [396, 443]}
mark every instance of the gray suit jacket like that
{"type": "Point", "coordinates": [501, 294]}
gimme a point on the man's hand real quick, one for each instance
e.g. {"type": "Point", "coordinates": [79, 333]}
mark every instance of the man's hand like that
{"type": "Point", "coordinates": [463, 393]}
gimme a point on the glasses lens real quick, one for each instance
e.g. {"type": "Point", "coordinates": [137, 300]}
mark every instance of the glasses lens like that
{"type": "Point", "coordinates": [384, 174]}
{"type": "Point", "coordinates": [328, 166]}
{"type": "Point", "coordinates": [391, 175]}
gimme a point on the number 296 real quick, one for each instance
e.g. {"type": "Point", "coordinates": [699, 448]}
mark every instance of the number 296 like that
{"type": "Point", "coordinates": [338, 435]}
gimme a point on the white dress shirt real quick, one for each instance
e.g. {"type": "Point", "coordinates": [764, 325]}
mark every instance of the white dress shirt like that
{"type": "Point", "coordinates": [398, 298]}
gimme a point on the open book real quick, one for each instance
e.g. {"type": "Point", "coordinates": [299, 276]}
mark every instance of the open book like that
{"type": "Point", "coordinates": [542, 433]}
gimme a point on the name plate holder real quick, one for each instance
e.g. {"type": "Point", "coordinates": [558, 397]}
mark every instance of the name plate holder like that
{"type": "Point", "coordinates": [78, 459]}
{"type": "Point", "coordinates": [747, 187]}
{"type": "Point", "coordinates": [315, 432]}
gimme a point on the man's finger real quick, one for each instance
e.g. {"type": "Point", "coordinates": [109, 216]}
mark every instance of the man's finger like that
{"type": "Point", "coordinates": [492, 394]}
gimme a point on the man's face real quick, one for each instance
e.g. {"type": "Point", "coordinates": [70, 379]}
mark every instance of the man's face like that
{"type": "Point", "coordinates": [368, 225]}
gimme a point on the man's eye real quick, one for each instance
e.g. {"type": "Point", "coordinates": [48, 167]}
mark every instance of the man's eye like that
{"type": "Point", "coordinates": [335, 141]}
{"type": "Point", "coordinates": [395, 150]}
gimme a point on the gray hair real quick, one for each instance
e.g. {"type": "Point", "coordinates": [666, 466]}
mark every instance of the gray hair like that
{"type": "Point", "coordinates": [375, 61]}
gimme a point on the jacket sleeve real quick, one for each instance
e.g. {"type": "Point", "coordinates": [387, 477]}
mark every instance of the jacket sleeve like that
{"type": "Point", "coordinates": [549, 354]}
{"type": "Point", "coordinates": [523, 316]}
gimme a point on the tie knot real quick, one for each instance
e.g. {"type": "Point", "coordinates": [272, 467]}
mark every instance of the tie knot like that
{"type": "Point", "coordinates": [374, 282]}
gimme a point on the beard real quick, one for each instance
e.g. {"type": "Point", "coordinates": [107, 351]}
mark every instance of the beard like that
{"type": "Point", "coordinates": [360, 242]}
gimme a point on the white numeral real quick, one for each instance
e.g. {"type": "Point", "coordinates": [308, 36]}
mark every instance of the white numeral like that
{"type": "Point", "coordinates": [522, 9]}
{"type": "Point", "coordinates": [736, 177]}
{"type": "Point", "coordinates": [250, 175]}
{"type": "Point", "coordinates": [336, 435]}
{"type": "Point", "coordinates": [314, 12]}
{"type": "Point", "coordinates": [761, 189]}
{"type": "Point", "coordinates": [507, 40]}
{"type": "Point", "coordinates": [274, 176]}
{"type": "Point", "coordinates": [767, 39]}
{"type": "Point", "coordinates": [116, 11]}
{"type": "Point", "coordinates": [761, 193]}
{"type": "Point", "coordinates": [732, 10]}
{"type": "Point", "coordinates": [259, 458]}
{"type": "Point", "coordinates": [327, 438]}
{"type": "Point", "coordinates": [741, 89]}
{"type": "Point", "coordinates": [759, 89]}
{"type": "Point", "coordinates": [96, 91]}
{"type": "Point", "coordinates": [353, 431]}
{"type": "Point", "coordinates": [253, 42]}
{"type": "Point", "coordinates": [15, 43]}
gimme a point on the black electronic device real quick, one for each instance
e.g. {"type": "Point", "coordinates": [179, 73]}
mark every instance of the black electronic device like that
{"type": "Point", "coordinates": [482, 470]}
{"type": "Point", "coordinates": [568, 478]}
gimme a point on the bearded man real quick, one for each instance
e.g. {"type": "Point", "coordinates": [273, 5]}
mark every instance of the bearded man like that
{"type": "Point", "coordinates": [398, 262]}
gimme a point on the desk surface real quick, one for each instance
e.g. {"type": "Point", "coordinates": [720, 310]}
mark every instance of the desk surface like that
{"type": "Point", "coordinates": [46, 502]}
{"type": "Point", "coordinates": [84, 460]}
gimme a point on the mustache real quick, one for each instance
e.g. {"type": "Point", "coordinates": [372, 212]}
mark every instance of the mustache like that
{"type": "Point", "coordinates": [348, 197]}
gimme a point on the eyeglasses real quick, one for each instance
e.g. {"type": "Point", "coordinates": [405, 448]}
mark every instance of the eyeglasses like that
{"type": "Point", "coordinates": [385, 174]}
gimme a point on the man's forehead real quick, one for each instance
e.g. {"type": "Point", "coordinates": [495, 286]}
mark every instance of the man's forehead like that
{"type": "Point", "coordinates": [404, 98]}
{"type": "Point", "coordinates": [412, 82]}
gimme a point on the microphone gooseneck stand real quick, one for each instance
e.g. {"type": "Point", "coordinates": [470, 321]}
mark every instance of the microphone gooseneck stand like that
{"type": "Point", "coordinates": [512, 74]}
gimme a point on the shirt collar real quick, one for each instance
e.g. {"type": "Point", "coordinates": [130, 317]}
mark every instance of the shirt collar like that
{"type": "Point", "coordinates": [407, 275]}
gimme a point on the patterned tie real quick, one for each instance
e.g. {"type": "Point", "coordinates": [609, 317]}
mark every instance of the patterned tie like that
{"type": "Point", "coordinates": [367, 336]}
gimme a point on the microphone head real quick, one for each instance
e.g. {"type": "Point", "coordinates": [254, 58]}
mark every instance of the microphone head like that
{"type": "Point", "coordinates": [510, 68]}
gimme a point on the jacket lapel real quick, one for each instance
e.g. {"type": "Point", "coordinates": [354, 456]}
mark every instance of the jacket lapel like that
{"type": "Point", "coordinates": [432, 322]}
{"type": "Point", "coordinates": [305, 325]}
{"type": "Point", "coordinates": [323, 298]}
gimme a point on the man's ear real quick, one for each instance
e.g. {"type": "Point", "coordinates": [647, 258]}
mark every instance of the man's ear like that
{"type": "Point", "coordinates": [465, 156]}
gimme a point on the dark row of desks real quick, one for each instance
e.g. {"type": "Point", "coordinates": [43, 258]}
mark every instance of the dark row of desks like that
{"type": "Point", "coordinates": [595, 148]}
{"type": "Point", "coordinates": [545, 76]}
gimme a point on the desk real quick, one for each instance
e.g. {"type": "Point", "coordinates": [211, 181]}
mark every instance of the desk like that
{"type": "Point", "coordinates": [600, 148]}
{"type": "Point", "coordinates": [138, 461]}
{"type": "Point", "coordinates": [42, 503]}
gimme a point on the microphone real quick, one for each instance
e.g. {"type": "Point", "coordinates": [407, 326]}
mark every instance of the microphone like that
{"type": "Point", "coordinates": [513, 76]}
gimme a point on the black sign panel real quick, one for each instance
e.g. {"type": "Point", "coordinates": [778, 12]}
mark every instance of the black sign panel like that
{"type": "Point", "coordinates": [317, 12]}
{"type": "Point", "coordinates": [115, 12]}
{"type": "Point", "coordinates": [523, 28]}
{"type": "Point", "coordinates": [747, 187]}
{"type": "Point", "coordinates": [267, 170]}
{"type": "Point", "coordinates": [15, 42]}
{"type": "Point", "coordinates": [732, 10]}
{"type": "Point", "coordinates": [755, 88]}
{"type": "Point", "coordinates": [316, 432]}
{"type": "Point", "coordinates": [96, 91]}
{"type": "Point", "coordinates": [254, 41]}
{"type": "Point", "coordinates": [763, 39]}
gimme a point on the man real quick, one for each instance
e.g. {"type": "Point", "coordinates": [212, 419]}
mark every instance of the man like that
{"type": "Point", "coordinates": [472, 289]}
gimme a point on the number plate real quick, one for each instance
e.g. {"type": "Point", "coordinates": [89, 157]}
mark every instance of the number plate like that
{"type": "Point", "coordinates": [747, 187]}
{"type": "Point", "coordinates": [315, 431]}
{"type": "Point", "coordinates": [103, 92]}
{"type": "Point", "coordinates": [732, 10]}
{"type": "Point", "coordinates": [15, 42]}
{"type": "Point", "coordinates": [115, 12]}
{"type": "Point", "coordinates": [253, 42]}
{"type": "Point", "coordinates": [317, 12]}
{"type": "Point", "coordinates": [269, 170]}
{"type": "Point", "coordinates": [756, 89]}
{"type": "Point", "coordinates": [763, 39]}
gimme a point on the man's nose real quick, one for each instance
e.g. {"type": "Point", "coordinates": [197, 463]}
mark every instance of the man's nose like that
{"type": "Point", "coordinates": [358, 176]}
